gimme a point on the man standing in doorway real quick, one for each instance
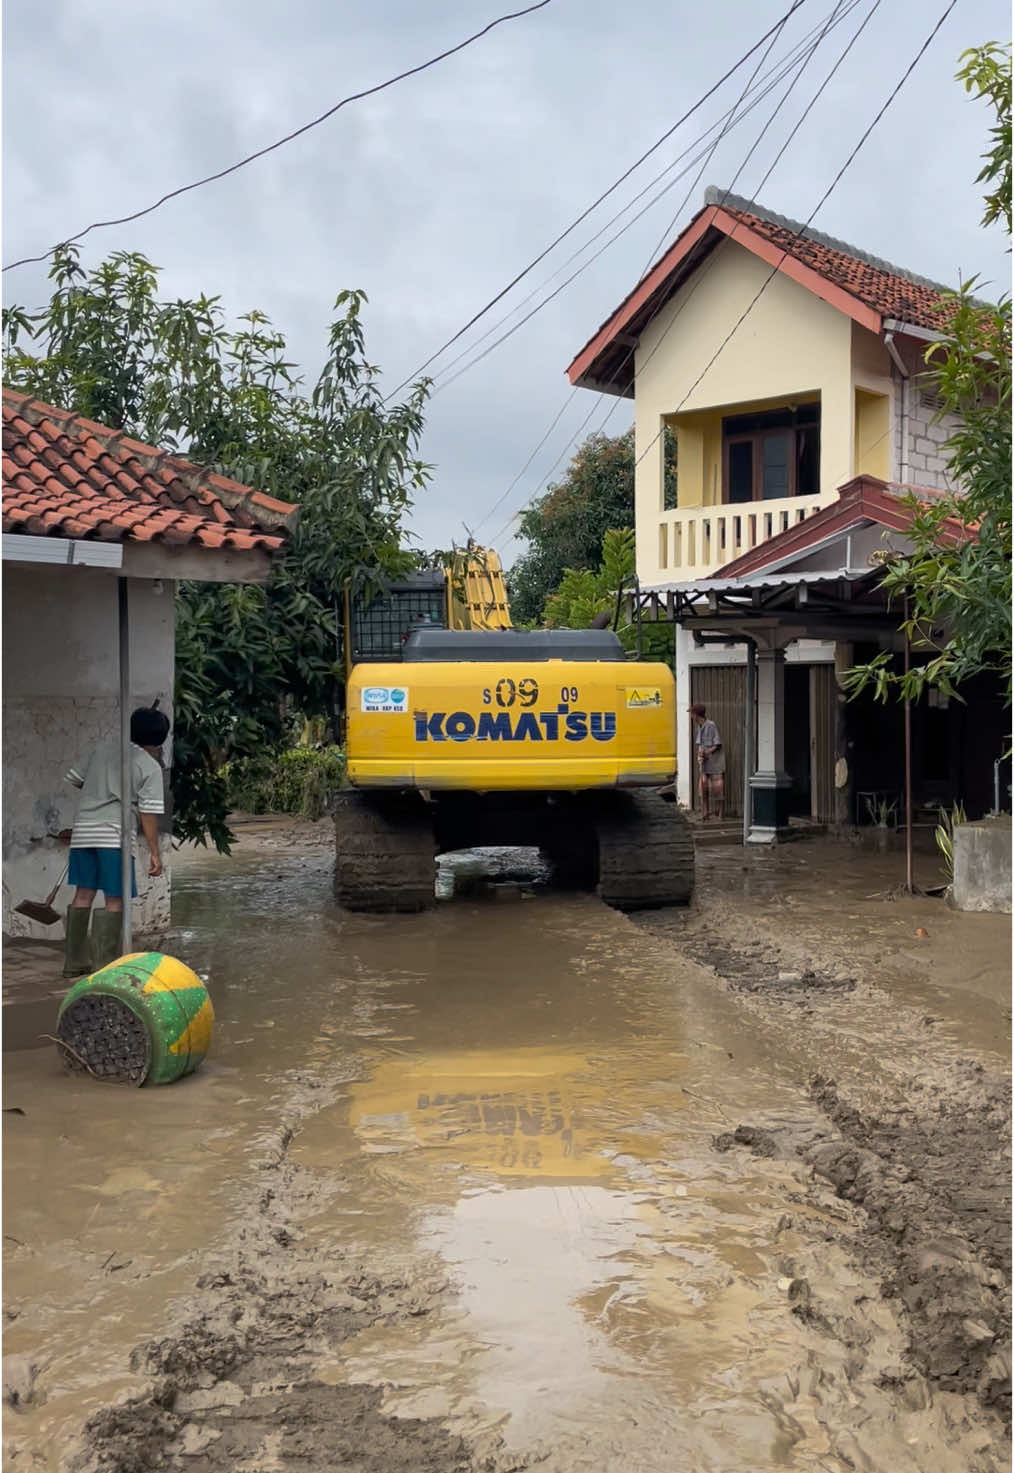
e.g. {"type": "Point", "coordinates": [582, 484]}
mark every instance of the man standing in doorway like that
{"type": "Point", "coordinates": [711, 762]}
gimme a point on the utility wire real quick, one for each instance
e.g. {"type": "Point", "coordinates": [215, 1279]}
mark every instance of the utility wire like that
{"type": "Point", "coordinates": [770, 82]}
{"type": "Point", "coordinates": [701, 276]}
{"type": "Point", "coordinates": [445, 382]}
{"type": "Point", "coordinates": [261, 152]}
{"type": "Point", "coordinates": [710, 265]}
{"type": "Point", "coordinates": [831, 20]}
{"type": "Point", "coordinates": [413, 377]}
{"type": "Point", "coordinates": [798, 234]}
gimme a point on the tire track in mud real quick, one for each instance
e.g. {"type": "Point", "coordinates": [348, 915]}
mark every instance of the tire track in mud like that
{"type": "Point", "coordinates": [238, 1384]}
{"type": "Point", "coordinates": [929, 1165]}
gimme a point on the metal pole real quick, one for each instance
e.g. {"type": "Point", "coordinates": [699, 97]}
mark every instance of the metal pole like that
{"type": "Point", "coordinates": [908, 766]}
{"type": "Point", "coordinates": [749, 757]}
{"type": "Point", "coordinates": [126, 776]}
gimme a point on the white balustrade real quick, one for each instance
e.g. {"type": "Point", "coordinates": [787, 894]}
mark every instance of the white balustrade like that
{"type": "Point", "coordinates": [698, 541]}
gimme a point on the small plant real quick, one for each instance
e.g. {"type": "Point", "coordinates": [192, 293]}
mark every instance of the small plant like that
{"type": "Point", "coordinates": [945, 834]}
{"type": "Point", "coordinates": [882, 812]}
{"type": "Point", "coordinates": [300, 781]}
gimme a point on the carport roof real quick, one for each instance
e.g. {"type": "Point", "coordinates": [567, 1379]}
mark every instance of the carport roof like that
{"type": "Point", "coordinates": [66, 476]}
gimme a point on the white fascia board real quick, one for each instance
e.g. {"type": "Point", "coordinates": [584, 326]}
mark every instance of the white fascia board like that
{"type": "Point", "coordinates": [62, 551]}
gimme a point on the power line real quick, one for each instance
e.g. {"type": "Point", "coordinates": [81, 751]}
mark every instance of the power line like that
{"type": "Point", "coordinates": [306, 127]}
{"type": "Point", "coordinates": [703, 274]}
{"type": "Point", "coordinates": [706, 154]}
{"type": "Point", "coordinates": [831, 20]}
{"type": "Point", "coordinates": [807, 223]}
{"type": "Point", "coordinates": [413, 377]}
{"type": "Point", "coordinates": [774, 77]}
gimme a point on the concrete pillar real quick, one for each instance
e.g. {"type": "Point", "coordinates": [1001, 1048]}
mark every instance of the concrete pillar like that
{"type": "Point", "coordinates": [770, 784]}
{"type": "Point", "coordinates": [686, 775]}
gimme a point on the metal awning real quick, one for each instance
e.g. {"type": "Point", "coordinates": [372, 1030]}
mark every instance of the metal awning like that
{"type": "Point", "coordinates": [819, 603]}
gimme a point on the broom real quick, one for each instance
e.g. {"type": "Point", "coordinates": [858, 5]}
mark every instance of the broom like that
{"type": "Point", "coordinates": [42, 910]}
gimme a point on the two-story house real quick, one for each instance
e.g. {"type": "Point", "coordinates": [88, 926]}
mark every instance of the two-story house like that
{"type": "Point", "coordinates": [789, 366]}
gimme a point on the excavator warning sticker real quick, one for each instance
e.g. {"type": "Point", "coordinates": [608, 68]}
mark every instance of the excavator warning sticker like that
{"type": "Point", "coordinates": [643, 695]}
{"type": "Point", "coordinates": [385, 699]}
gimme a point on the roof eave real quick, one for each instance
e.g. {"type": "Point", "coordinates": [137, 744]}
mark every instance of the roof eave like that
{"type": "Point", "coordinates": [582, 369]}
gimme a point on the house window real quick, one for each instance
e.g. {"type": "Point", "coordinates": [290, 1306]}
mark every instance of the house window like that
{"type": "Point", "coordinates": [770, 456]}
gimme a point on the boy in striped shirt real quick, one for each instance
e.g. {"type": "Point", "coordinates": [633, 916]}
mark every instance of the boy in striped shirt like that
{"type": "Point", "coordinates": [95, 839]}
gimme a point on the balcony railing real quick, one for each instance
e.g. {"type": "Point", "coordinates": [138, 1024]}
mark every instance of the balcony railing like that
{"type": "Point", "coordinates": [697, 542]}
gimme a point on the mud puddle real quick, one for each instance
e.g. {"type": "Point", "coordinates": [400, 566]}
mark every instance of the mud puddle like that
{"type": "Point", "coordinates": [462, 1210]}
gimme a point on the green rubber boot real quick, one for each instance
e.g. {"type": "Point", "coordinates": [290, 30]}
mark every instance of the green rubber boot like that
{"type": "Point", "coordinates": [77, 952]}
{"type": "Point", "coordinates": [106, 933]}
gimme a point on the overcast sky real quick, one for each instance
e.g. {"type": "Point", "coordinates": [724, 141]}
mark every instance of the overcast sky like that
{"type": "Point", "coordinates": [432, 196]}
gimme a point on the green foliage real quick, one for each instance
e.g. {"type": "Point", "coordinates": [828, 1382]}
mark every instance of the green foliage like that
{"type": "Point", "coordinates": [179, 376]}
{"type": "Point", "coordinates": [986, 73]}
{"type": "Point", "coordinates": [565, 527]}
{"type": "Point", "coordinates": [582, 594]}
{"type": "Point", "coordinates": [301, 781]}
{"type": "Point", "coordinates": [953, 588]}
{"type": "Point", "coordinates": [944, 834]}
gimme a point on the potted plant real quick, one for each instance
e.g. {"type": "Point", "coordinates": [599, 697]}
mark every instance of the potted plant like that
{"type": "Point", "coordinates": [883, 815]}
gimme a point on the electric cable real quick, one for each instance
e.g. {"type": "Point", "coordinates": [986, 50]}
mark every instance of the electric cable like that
{"type": "Point", "coordinates": [823, 86]}
{"type": "Point", "coordinates": [727, 122]}
{"type": "Point", "coordinates": [769, 83]}
{"type": "Point", "coordinates": [798, 234]}
{"type": "Point", "coordinates": [279, 143]}
{"type": "Point", "coordinates": [525, 271]}
{"type": "Point", "coordinates": [775, 269]}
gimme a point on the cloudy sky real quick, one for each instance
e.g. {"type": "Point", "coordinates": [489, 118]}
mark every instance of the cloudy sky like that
{"type": "Point", "coordinates": [433, 195]}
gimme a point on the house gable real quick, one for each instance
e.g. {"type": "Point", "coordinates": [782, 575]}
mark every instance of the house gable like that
{"type": "Point", "coordinates": [869, 291]}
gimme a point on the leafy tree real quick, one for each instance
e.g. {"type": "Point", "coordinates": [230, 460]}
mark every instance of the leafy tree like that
{"type": "Point", "coordinates": [179, 376]}
{"type": "Point", "coordinates": [963, 587]}
{"type": "Point", "coordinates": [565, 527]}
{"type": "Point", "coordinates": [583, 594]}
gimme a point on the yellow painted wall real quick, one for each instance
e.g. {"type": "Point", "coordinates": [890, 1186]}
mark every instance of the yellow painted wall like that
{"type": "Point", "coordinates": [875, 447]}
{"type": "Point", "coordinates": [791, 346]}
{"type": "Point", "coordinates": [873, 437]}
{"type": "Point", "coordinates": [700, 473]}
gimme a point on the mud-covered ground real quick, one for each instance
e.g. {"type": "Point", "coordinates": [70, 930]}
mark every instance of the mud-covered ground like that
{"type": "Point", "coordinates": [524, 1182]}
{"type": "Point", "coordinates": [824, 941]}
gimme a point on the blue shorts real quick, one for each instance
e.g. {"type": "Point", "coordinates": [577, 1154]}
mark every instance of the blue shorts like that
{"type": "Point", "coordinates": [99, 869]}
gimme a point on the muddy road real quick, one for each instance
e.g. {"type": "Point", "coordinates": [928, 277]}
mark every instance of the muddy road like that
{"type": "Point", "coordinates": [522, 1182]}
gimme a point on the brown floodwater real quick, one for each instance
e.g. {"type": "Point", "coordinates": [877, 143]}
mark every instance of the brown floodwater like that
{"type": "Point", "coordinates": [518, 1094]}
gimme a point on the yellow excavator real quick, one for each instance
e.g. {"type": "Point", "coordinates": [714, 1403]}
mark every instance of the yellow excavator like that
{"type": "Point", "coordinates": [461, 730]}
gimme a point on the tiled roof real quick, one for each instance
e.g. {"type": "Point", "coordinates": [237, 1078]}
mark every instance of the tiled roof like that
{"type": "Point", "coordinates": [866, 288]}
{"type": "Point", "coordinates": [864, 498]}
{"type": "Point", "coordinates": [64, 476]}
{"type": "Point", "coordinates": [890, 290]}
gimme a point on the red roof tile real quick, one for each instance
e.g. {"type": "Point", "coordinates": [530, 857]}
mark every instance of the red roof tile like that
{"type": "Point", "coordinates": [65, 476]}
{"type": "Point", "coordinates": [870, 290]}
{"type": "Point", "coordinates": [864, 498]}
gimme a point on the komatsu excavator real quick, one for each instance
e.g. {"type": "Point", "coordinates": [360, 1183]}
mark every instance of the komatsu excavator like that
{"type": "Point", "coordinates": [461, 730]}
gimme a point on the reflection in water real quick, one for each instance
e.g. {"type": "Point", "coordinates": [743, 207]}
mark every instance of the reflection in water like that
{"type": "Point", "coordinates": [509, 1112]}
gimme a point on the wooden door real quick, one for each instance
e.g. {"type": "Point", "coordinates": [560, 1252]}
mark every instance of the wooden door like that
{"type": "Point", "coordinates": [722, 689]}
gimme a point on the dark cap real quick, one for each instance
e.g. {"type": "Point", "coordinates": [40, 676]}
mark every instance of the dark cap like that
{"type": "Point", "coordinates": [698, 710]}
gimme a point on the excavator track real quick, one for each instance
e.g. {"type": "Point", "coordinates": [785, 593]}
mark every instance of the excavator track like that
{"type": "Point", "coordinates": [385, 852]}
{"type": "Point", "coordinates": [646, 852]}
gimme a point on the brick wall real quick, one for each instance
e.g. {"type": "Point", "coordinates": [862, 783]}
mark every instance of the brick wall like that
{"type": "Point", "coordinates": [925, 463]}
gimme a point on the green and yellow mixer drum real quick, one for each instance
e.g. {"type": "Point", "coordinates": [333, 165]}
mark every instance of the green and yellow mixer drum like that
{"type": "Point", "coordinates": [144, 1019]}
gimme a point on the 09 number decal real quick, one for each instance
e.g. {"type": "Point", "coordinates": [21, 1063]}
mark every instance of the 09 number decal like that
{"type": "Point", "coordinates": [506, 692]}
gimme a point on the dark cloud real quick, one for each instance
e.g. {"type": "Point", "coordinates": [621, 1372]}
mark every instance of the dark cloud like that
{"type": "Point", "coordinates": [432, 195]}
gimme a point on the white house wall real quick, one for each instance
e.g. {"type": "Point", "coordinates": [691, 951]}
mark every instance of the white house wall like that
{"type": "Point", "coordinates": [61, 697]}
